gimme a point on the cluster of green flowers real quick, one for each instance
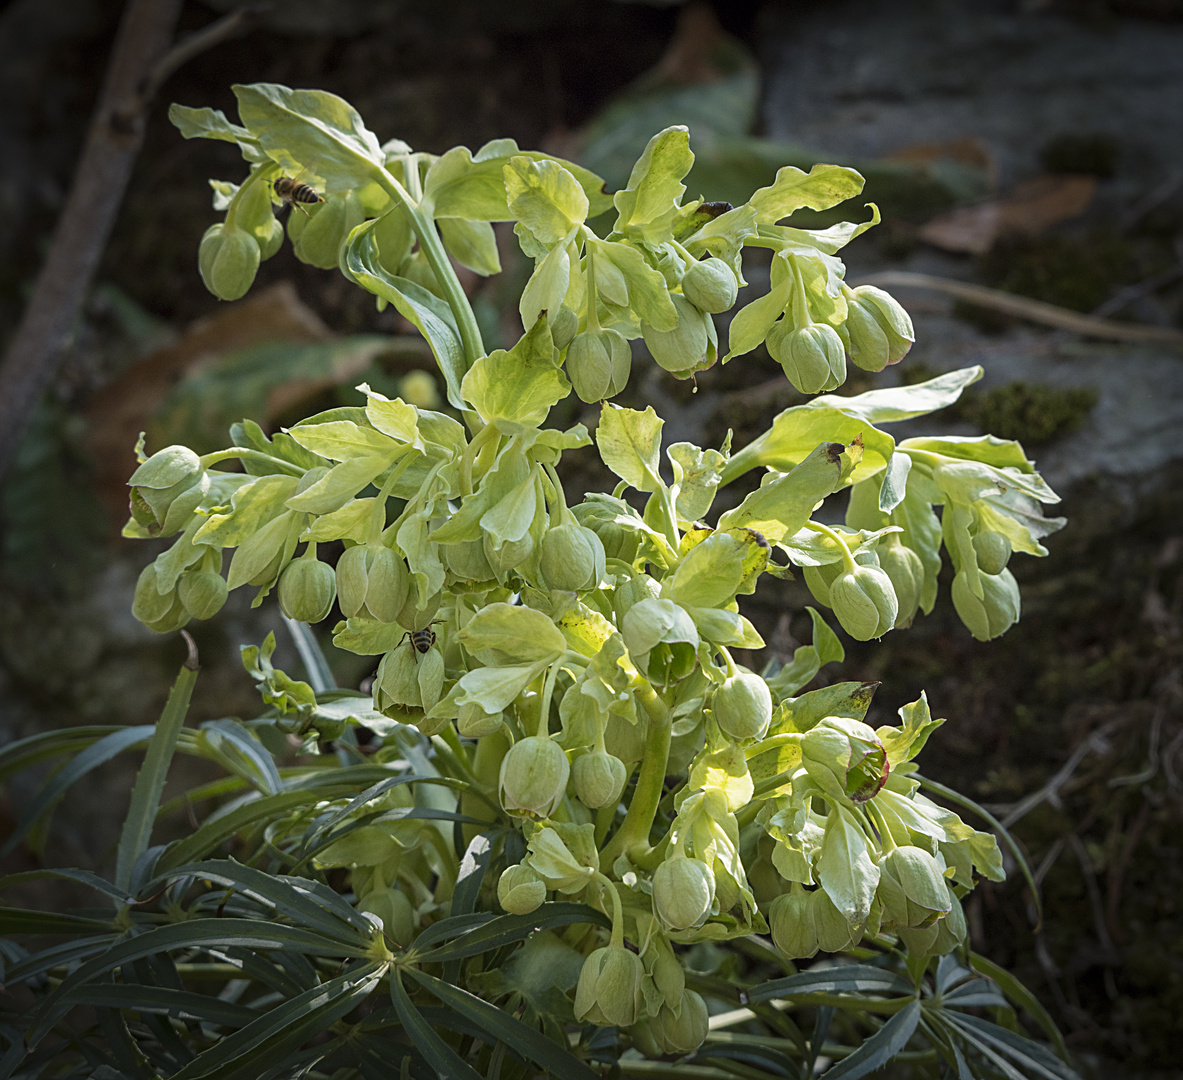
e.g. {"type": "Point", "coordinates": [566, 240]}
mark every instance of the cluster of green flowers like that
{"type": "Point", "coordinates": [581, 654]}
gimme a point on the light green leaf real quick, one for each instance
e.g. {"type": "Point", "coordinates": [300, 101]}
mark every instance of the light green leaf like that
{"type": "Point", "coordinates": [647, 293]}
{"type": "Point", "coordinates": [896, 403]}
{"type": "Point", "coordinates": [354, 521]}
{"type": "Point", "coordinates": [779, 508]}
{"type": "Point", "coordinates": [709, 575]}
{"type": "Point", "coordinates": [521, 385]}
{"type": "Point", "coordinates": [340, 440]}
{"type": "Point", "coordinates": [548, 285]}
{"type": "Point", "coordinates": [752, 322]}
{"type": "Point", "coordinates": [630, 445]}
{"type": "Point", "coordinates": [212, 124]}
{"type": "Point", "coordinates": [253, 555]}
{"type": "Point", "coordinates": [506, 633]}
{"type": "Point", "coordinates": [252, 506]}
{"type": "Point", "coordinates": [342, 482]}
{"type": "Point", "coordinates": [696, 476]}
{"type": "Point", "coordinates": [367, 637]}
{"type": "Point", "coordinates": [819, 189]}
{"type": "Point", "coordinates": [545, 198]}
{"type": "Point", "coordinates": [472, 244]}
{"type": "Point", "coordinates": [649, 205]}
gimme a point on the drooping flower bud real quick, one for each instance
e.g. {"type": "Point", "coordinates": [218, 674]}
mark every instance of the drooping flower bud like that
{"type": "Point", "coordinates": [621, 353]}
{"type": "Point", "coordinates": [202, 592]}
{"type": "Point", "coordinates": [710, 285]}
{"type": "Point", "coordinates": [149, 604]}
{"type": "Point", "coordinates": [317, 238]}
{"type": "Point", "coordinates": [682, 350]}
{"type": "Point", "coordinates": [269, 237]}
{"type": "Point", "coordinates": [900, 563]}
{"type": "Point", "coordinates": [912, 888]}
{"type": "Point", "coordinates": [998, 609]}
{"type": "Point", "coordinates": [572, 557]}
{"type": "Point", "coordinates": [683, 892]}
{"type": "Point", "coordinates": [683, 1030]}
{"type": "Point", "coordinates": [228, 259]}
{"type": "Point", "coordinates": [834, 933]}
{"type": "Point", "coordinates": [742, 706]}
{"type": "Point", "coordinates": [589, 366]}
{"type": "Point", "coordinates": [509, 555]}
{"type": "Point", "coordinates": [864, 602]}
{"type": "Point", "coordinates": [879, 331]}
{"type": "Point", "coordinates": [474, 723]}
{"type": "Point", "coordinates": [467, 561]}
{"type": "Point", "coordinates": [394, 908]}
{"type": "Point", "coordinates": [307, 589]}
{"type": "Point", "coordinates": [599, 779]}
{"type": "Point", "coordinates": [534, 776]}
{"type": "Point", "coordinates": [609, 989]}
{"type": "Point", "coordinates": [169, 484]}
{"type": "Point", "coordinates": [520, 890]}
{"type": "Point", "coordinates": [372, 582]}
{"type": "Point", "coordinates": [992, 550]}
{"type": "Point", "coordinates": [792, 928]}
{"type": "Point", "coordinates": [811, 356]}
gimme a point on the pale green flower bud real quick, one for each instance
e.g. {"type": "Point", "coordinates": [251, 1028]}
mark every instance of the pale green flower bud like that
{"type": "Point", "coordinates": [474, 723]}
{"type": "Point", "coordinates": [372, 582]}
{"type": "Point", "coordinates": [683, 892]}
{"type": "Point", "coordinates": [742, 706]}
{"type": "Point", "coordinates": [682, 350]}
{"type": "Point", "coordinates": [534, 776]}
{"type": "Point", "coordinates": [878, 329]}
{"type": "Point", "coordinates": [996, 612]}
{"type": "Point", "coordinates": [992, 551]}
{"type": "Point", "coordinates": [951, 930]}
{"type": "Point", "coordinates": [269, 237]}
{"type": "Point", "coordinates": [149, 603]}
{"type": "Point", "coordinates": [397, 680]}
{"type": "Point", "coordinates": [710, 285]}
{"type": "Point", "coordinates": [467, 561]}
{"type": "Point", "coordinates": [599, 779]}
{"type": "Point", "coordinates": [173, 616]}
{"type": "Point", "coordinates": [520, 890]}
{"type": "Point", "coordinates": [228, 259]}
{"type": "Point", "coordinates": [792, 928]}
{"type": "Point", "coordinates": [589, 366]}
{"type": "Point", "coordinates": [172, 477]}
{"type": "Point", "coordinates": [644, 1040]}
{"type": "Point", "coordinates": [563, 327]}
{"type": "Point", "coordinates": [900, 563]}
{"type": "Point", "coordinates": [912, 888]}
{"type": "Point", "coordinates": [834, 933]}
{"type": "Point", "coordinates": [203, 592]}
{"type": "Point", "coordinates": [429, 671]}
{"type": "Point", "coordinates": [317, 237]}
{"type": "Point", "coordinates": [811, 356]}
{"type": "Point", "coordinates": [864, 602]}
{"type": "Point", "coordinates": [668, 974]}
{"type": "Point", "coordinates": [307, 589]}
{"type": "Point", "coordinates": [572, 557]}
{"type": "Point", "coordinates": [394, 908]}
{"type": "Point", "coordinates": [622, 360]}
{"type": "Point", "coordinates": [683, 1030]}
{"type": "Point", "coordinates": [609, 989]}
{"type": "Point", "coordinates": [618, 543]}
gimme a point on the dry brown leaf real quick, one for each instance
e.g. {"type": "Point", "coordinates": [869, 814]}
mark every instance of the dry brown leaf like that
{"type": "Point", "coordinates": [1029, 209]}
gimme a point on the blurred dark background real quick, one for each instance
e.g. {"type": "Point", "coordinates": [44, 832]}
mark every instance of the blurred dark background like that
{"type": "Point", "coordinates": [1034, 147]}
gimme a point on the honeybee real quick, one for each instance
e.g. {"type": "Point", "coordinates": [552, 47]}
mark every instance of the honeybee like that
{"type": "Point", "coordinates": [421, 640]}
{"type": "Point", "coordinates": [294, 193]}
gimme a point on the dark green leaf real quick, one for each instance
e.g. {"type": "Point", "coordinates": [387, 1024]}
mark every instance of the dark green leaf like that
{"type": "Point", "coordinates": [880, 1048]}
{"type": "Point", "coordinates": [25, 921]}
{"type": "Point", "coordinates": [1029, 1055]}
{"type": "Point", "coordinates": [504, 1027]}
{"type": "Point", "coordinates": [845, 978]}
{"type": "Point", "coordinates": [164, 1000]}
{"type": "Point", "coordinates": [471, 874]}
{"type": "Point", "coordinates": [1022, 997]}
{"type": "Point", "coordinates": [505, 929]}
{"type": "Point", "coordinates": [446, 1062]}
{"type": "Point", "coordinates": [83, 877]}
{"type": "Point", "coordinates": [240, 752]}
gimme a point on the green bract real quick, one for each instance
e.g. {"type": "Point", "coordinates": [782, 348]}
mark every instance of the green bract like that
{"type": "Point", "coordinates": [556, 706]}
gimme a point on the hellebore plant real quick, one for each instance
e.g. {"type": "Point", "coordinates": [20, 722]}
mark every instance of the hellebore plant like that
{"type": "Point", "coordinates": [561, 733]}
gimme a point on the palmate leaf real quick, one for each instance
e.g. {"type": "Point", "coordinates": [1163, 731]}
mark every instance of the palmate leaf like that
{"type": "Point", "coordinates": [446, 1062]}
{"type": "Point", "coordinates": [845, 978]}
{"type": "Point", "coordinates": [195, 933]}
{"type": "Point", "coordinates": [504, 1027]}
{"type": "Point", "coordinates": [1022, 997]}
{"type": "Point", "coordinates": [505, 929]}
{"type": "Point", "coordinates": [1033, 1060]}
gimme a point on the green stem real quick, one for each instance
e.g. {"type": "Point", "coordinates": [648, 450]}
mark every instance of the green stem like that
{"type": "Point", "coordinates": [244, 453]}
{"type": "Point", "coordinates": [433, 247]}
{"type": "Point", "coordinates": [617, 940]}
{"type": "Point", "coordinates": [847, 559]}
{"type": "Point", "coordinates": [593, 316]}
{"type": "Point", "coordinates": [650, 780]}
{"type": "Point", "coordinates": [548, 690]}
{"type": "Point", "coordinates": [471, 452]}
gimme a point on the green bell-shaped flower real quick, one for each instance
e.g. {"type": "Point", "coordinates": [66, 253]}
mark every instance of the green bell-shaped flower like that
{"type": "Point", "coordinates": [599, 779]}
{"type": "Point", "coordinates": [589, 366]}
{"type": "Point", "coordinates": [681, 1030]}
{"type": "Point", "coordinates": [912, 888]}
{"type": "Point", "coordinates": [792, 929]}
{"type": "Point", "coordinates": [228, 260]}
{"type": "Point", "coordinates": [572, 557]}
{"type": "Point", "coordinates": [992, 551]}
{"type": "Point", "coordinates": [307, 589]}
{"type": "Point", "coordinates": [520, 890]}
{"type": "Point", "coordinates": [903, 566]}
{"type": "Point", "coordinates": [534, 776]}
{"type": "Point", "coordinates": [609, 989]}
{"type": "Point", "coordinates": [834, 933]}
{"type": "Point", "coordinates": [394, 908]}
{"type": "Point", "coordinates": [683, 893]}
{"type": "Point", "coordinates": [317, 237]}
{"type": "Point", "coordinates": [466, 561]}
{"type": "Point", "coordinates": [878, 330]}
{"type": "Point", "coordinates": [474, 723]}
{"type": "Point", "coordinates": [811, 356]}
{"type": "Point", "coordinates": [166, 489]}
{"type": "Point", "coordinates": [997, 610]}
{"type": "Point", "coordinates": [563, 327]}
{"type": "Point", "coordinates": [202, 592]}
{"type": "Point", "coordinates": [742, 706]}
{"type": "Point", "coordinates": [372, 583]}
{"type": "Point", "coordinates": [864, 601]}
{"type": "Point", "coordinates": [710, 285]}
{"type": "Point", "coordinates": [682, 350]}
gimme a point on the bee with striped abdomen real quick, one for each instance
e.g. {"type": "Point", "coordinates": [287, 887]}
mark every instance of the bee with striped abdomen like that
{"type": "Point", "coordinates": [421, 640]}
{"type": "Point", "coordinates": [294, 193]}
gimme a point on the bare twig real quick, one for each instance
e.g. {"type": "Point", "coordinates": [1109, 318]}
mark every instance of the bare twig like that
{"type": "Point", "coordinates": [237, 22]}
{"type": "Point", "coordinates": [140, 62]}
{"type": "Point", "coordinates": [1033, 310]}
